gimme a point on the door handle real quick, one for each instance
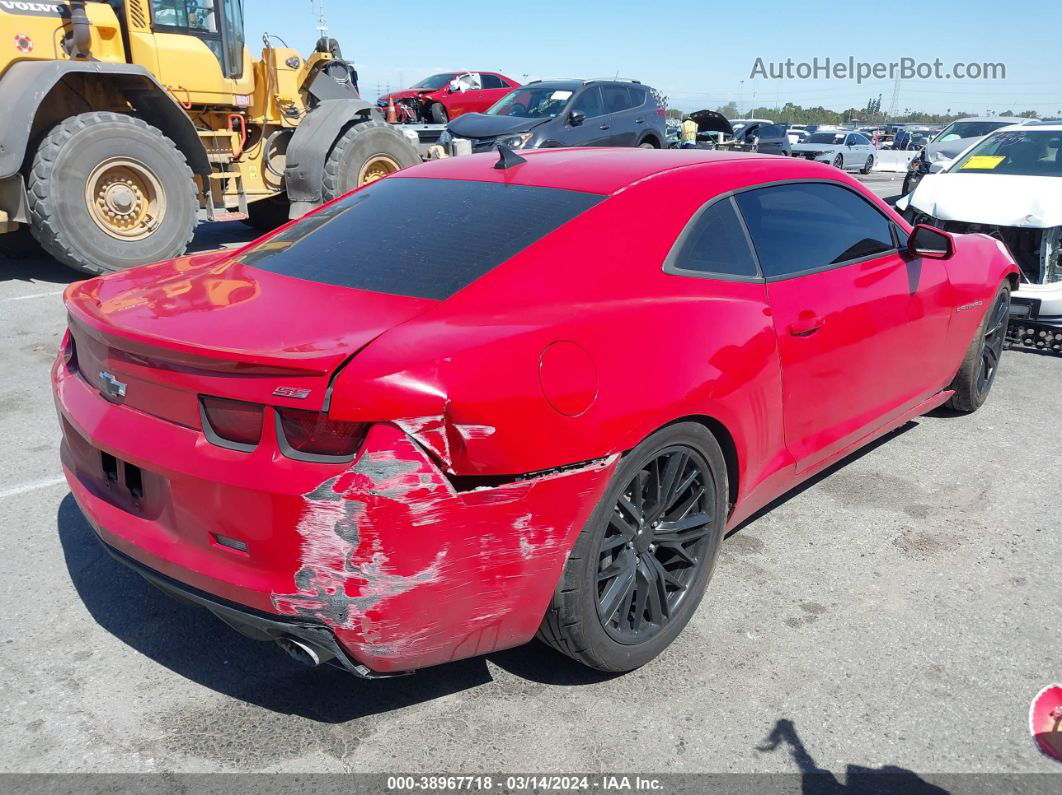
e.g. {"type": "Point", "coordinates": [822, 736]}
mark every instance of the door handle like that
{"type": "Point", "coordinates": [603, 127]}
{"type": "Point", "coordinates": [806, 325]}
{"type": "Point", "coordinates": [639, 121]}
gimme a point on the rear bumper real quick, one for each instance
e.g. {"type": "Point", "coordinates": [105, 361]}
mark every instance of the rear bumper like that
{"type": "Point", "coordinates": [252, 623]}
{"type": "Point", "coordinates": [401, 569]}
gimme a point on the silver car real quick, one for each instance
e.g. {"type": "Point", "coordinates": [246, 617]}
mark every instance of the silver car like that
{"type": "Point", "coordinates": [843, 149]}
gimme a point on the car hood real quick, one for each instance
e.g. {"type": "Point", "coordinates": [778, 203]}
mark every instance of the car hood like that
{"type": "Point", "coordinates": [224, 314]}
{"type": "Point", "coordinates": [997, 199]}
{"type": "Point", "coordinates": [711, 121]}
{"type": "Point", "coordinates": [484, 125]}
{"type": "Point", "coordinates": [408, 93]}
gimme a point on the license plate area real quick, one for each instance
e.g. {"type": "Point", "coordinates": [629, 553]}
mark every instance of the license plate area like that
{"type": "Point", "coordinates": [123, 476]}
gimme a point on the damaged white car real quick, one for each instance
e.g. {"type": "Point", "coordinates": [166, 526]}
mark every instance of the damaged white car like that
{"type": "Point", "coordinates": [1008, 185]}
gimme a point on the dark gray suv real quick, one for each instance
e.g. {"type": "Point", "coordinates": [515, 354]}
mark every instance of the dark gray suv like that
{"type": "Point", "coordinates": [546, 113]}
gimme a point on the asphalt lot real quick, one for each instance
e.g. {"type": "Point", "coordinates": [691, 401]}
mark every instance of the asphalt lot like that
{"type": "Point", "coordinates": [901, 610]}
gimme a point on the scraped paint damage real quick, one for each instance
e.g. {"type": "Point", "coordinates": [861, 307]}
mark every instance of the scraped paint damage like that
{"type": "Point", "coordinates": [410, 572]}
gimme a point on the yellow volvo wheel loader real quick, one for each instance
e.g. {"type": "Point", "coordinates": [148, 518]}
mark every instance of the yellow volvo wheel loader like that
{"type": "Point", "coordinates": [124, 123]}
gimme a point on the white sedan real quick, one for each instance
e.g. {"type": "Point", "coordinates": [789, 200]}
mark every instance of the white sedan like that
{"type": "Point", "coordinates": [843, 149]}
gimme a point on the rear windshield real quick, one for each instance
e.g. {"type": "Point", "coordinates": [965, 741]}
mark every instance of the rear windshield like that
{"type": "Point", "coordinates": [425, 238]}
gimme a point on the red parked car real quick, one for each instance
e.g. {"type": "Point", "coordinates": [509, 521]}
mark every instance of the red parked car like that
{"type": "Point", "coordinates": [387, 449]}
{"type": "Point", "coordinates": [447, 95]}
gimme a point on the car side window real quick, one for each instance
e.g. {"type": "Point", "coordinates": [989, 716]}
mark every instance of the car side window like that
{"type": "Point", "coordinates": [589, 102]}
{"type": "Point", "coordinates": [617, 98]}
{"type": "Point", "coordinates": [638, 96]}
{"type": "Point", "coordinates": [492, 81]}
{"type": "Point", "coordinates": [715, 242]}
{"type": "Point", "coordinates": [808, 226]}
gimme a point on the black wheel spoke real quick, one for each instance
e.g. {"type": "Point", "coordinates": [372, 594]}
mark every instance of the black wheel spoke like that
{"type": "Point", "coordinates": [684, 530]}
{"type": "Point", "coordinates": [665, 575]}
{"type": "Point", "coordinates": [613, 542]}
{"type": "Point", "coordinates": [618, 592]}
{"type": "Point", "coordinates": [625, 528]}
{"type": "Point", "coordinates": [676, 465]}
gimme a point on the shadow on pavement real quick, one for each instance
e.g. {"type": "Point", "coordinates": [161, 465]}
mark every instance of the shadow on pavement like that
{"type": "Point", "coordinates": [190, 641]}
{"type": "Point", "coordinates": [835, 467]}
{"type": "Point", "coordinates": [23, 260]}
{"type": "Point", "coordinates": [819, 781]}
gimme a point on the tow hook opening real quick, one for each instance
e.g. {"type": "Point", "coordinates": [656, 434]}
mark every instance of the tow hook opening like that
{"type": "Point", "coordinates": [306, 653]}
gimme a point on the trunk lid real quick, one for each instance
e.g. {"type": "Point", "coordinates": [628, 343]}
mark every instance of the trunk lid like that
{"type": "Point", "coordinates": [172, 331]}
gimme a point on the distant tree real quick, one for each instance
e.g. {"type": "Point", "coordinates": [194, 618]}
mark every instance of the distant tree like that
{"type": "Point", "coordinates": [730, 110]}
{"type": "Point", "coordinates": [1028, 114]}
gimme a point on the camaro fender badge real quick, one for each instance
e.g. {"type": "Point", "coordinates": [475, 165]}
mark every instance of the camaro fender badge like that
{"type": "Point", "coordinates": [964, 307]}
{"type": "Point", "coordinates": [111, 386]}
{"type": "Point", "coordinates": [291, 392]}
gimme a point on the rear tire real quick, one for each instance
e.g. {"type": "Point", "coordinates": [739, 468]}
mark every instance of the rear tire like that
{"type": "Point", "coordinates": [867, 166]}
{"type": "Point", "coordinates": [578, 622]}
{"type": "Point", "coordinates": [979, 367]}
{"type": "Point", "coordinates": [439, 114]}
{"type": "Point", "coordinates": [364, 153]}
{"type": "Point", "coordinates": [142, 203]}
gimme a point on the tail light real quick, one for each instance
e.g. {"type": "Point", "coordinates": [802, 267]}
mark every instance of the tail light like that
{"type": "Point", "coordinates": [231, 423]}
{"type": "Point", "coordinates": [661, 112]}
{"type": "Point", "coordinates": [312, 436]}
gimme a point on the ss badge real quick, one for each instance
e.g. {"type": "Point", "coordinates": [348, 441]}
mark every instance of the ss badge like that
{"type": "Point", "coordinates": [291, 392]}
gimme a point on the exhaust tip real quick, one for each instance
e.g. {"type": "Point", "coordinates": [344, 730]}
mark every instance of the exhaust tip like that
{"type": "Point", "coordinates": [303, 652]}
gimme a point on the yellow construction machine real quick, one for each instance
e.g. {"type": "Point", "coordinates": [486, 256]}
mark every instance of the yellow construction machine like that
{"type": "Point", "coordinates": [125, 123]}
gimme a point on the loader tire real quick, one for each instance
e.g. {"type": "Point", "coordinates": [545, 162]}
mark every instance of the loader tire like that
{"type": "Point", "coordinates": [108, 191]}
{"type": "Point", "coordinates": [364, 153]}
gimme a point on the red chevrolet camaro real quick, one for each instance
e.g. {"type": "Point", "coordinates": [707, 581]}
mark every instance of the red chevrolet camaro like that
{"type": "Point", "coordinates": [387, 449]}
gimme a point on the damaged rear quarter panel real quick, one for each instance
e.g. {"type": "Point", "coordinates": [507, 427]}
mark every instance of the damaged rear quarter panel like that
{"type": "Point", "coordinates": [411, 573]}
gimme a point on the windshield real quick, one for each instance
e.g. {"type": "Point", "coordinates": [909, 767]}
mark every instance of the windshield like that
{"type": "Point", "coordinates": [374, 239]}
{"type": "Point", "coordinates": [435, 81]}
{"type": "Point", "coordinates": [532, 103]}
{"type": "Point", "coordinates": [826, 138]}
{"type": "Point", "coordinates": [1032, 154]}
{"type": "Point", "coordinates": [968, 129]}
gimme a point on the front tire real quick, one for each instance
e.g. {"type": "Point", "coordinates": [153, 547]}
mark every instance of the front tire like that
{"type": "Point", "coordinates": [838, 162]}
{"type": "Point", "coordinates": [978, 370]}
{"type": "Point", "coordinates": [365, 153]}
{"type": "Point", "coordinates": [640, 566]}
{"type": "Point", "coordinates": [439, 114]}
{"type": "Point", "coordinates": [109, 191]}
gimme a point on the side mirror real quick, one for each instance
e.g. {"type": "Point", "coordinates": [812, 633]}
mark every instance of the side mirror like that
{"type": "Point", "coordinates": [576, 117]}
{"type": "Point", "coordinates": [930, 242]}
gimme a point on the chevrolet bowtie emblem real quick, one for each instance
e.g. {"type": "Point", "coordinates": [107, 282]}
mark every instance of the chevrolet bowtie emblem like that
{"type": "Point", "coordinates": [111, 386]}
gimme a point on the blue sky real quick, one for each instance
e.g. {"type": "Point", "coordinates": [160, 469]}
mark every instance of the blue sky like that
{"type": "Point", "coordinates": [698, 53]}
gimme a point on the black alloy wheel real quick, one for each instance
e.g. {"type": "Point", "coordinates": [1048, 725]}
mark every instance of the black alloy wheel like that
{"type": "Point", "coordinates": [992, 340]}
{"type": "Point", "coordinates": [656, 542]}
